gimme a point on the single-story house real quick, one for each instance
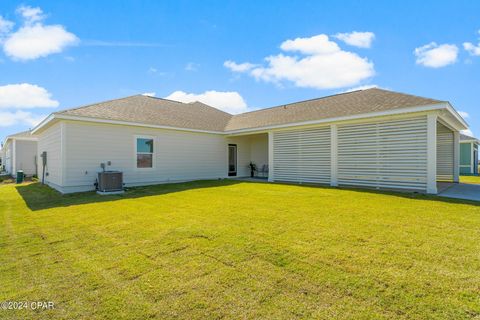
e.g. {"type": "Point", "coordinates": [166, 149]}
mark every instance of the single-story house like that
{"type": "Point", "coordinates": [468, 155]}
{"type": "Point", "coordinates": [19, 152]}
{"type": "Point", "coordinates": [368, 138]}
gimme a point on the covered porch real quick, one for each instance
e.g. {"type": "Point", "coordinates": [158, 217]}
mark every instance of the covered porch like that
{"type": "Point", "coordinates": [409, 152]}
{"type": "Point", "coordinates": [246, 149]}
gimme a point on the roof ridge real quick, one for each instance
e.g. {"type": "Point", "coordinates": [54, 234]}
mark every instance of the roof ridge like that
{"type": "Point", "coordinates": [158, 98]}
{"type": "Point", "coordinates": [406, 94]}
{"type": "Point", "coordinates": [192, 102]}
{"type": "Point", "coordinates": [96, 103]}
{"type": "Point", "coordinates": [207, 105]}
{"type": "Point", "coordinates": [335, 95]}
{"type": "Point", "coordinates": [301, 101]}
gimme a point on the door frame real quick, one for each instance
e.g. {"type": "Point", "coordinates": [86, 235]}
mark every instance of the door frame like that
{"type": "Point", "coordinates": [233, 173]}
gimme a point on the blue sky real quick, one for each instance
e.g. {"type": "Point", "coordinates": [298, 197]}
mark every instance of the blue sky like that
{"type": "Point", "coordinates": [237, 56]}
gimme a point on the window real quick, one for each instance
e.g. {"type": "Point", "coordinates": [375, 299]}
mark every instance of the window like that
{"type": "Point", "coordinates": [144, 153]}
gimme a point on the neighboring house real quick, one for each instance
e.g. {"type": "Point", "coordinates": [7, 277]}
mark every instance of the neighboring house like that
{"type": "Point", "coordinates": [370, 138]}
{"type": "Point", "coordinates": [468, 154]}
{"type": "Point", "coordinates": [19, 152]}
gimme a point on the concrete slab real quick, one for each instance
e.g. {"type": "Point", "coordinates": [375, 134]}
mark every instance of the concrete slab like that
{"type": "Point", "coordinates": [462, 191]}
{"type": "Point", "coordinates": [109, 193]}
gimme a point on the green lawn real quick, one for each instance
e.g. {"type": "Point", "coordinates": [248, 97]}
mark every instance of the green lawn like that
{"type": "Point", "coordinates": [238, 250]}
{"type": "Point", "coordinates": [470, 179]}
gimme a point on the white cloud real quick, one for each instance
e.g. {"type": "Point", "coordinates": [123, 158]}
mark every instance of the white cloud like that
{"type": "Point", "coordinates": [357, 39]}
{"type": "Point", "coordinates": [319, 44]}
{"type": "Point", "coordinates": [467, 132]}
{"type": "Point", "coordinates": [323, 65]}
{"type": "Point", "coordinates": [149, 94]}
{"type": "Point", "coordinates": [155, 72]}
{"type": "Point", "coordinates": [238, 67]}
{"type": "Point", "coordinates": [472, 49]}
{"type": "Point", "coordinates": [191, 66]}
{"type": "Point", "coordinates": [228, 101]}
{"type": "Point", "coordinates": [464, 114]}
{"type": "Point", "coordinates": [365, 87]}
{"type": "Point", "coordinates": [34, 39]}
{"type": "Point", "coordinates": [32, 42]}
{"type": "Point", "coordinates": [433, 55]}
{"type": "Point", "coordinates": [8, 119]}
{"type": "Point", "coordinates": [30, 14]}
{"type": "Point", "coordinates": [25, 96]}
{"type": "Point", "coordinates": [5, 26]}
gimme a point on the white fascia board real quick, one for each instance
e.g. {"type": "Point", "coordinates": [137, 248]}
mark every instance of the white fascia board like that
{"type": "Point", "coordinates": [457, 115]}
{"type": "Point", "coordinates": [431, 107]}
{"type": "Point", "coordinates": [43, 123]}
{"type": "Point", "coordinates": [25, 139]}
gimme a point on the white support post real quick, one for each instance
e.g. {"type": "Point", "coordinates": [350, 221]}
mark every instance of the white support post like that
{"type": "Point", "coordinates": [333, 156]}
{"type": "Point", "coordinates": [13, 158]}
{"type": "Point", "coordinates": [63, 152]}
{"type": "Point", "coordinates": [270, 157]}
{"type": "Point", "coordinates": [456, 156]}
{"type": "Point", "coordinates": [432, 153]}
{"type": "Point", "coordinates": [472, 158]}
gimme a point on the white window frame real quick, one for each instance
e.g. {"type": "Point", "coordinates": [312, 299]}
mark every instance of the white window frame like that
{"type": "Point", "coordinates": [135, 138]}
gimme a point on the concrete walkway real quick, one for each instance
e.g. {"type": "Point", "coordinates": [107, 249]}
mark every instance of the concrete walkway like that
{"type": "Point", "coordinates": [461, 191]}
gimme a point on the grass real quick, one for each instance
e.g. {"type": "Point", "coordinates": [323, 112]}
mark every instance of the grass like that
{"type": "Point", "coordinates": [470, 179]}
{"type": "Point", "coordinates": [219, 249]}
{"type": "Point", "coordinates": [6, 179]}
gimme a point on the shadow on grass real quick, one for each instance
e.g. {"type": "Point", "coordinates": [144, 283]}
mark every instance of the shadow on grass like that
{"type": "Point", "coordinates": [39, 197]}
{"type": "Point", "coordinates": [396, 193]}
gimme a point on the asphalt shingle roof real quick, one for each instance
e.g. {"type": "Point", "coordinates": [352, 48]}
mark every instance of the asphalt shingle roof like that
{"type": "Point", "coordinates": [345, 104]}
{"type": "Point", "coordinates": [156, 111]}
{"type": "Point", "coordinates": [23, 134]}
{"type": "Point", "coordinates": [465, 137]}
{"type": "Point", "coordinates": [196, 115]}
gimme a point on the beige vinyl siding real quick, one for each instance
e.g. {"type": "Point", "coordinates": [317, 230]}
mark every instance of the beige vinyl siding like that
{"type": "Point", "coordinates": [7, 160]}
{"type": "Point", "coordinates": [25, 154]}
{"type": "Point", "coordinates": [50, 141]}
{"type": "Point", "coordinates": [259, 149]}
{"type": "Point", "coordinates": [384, 154]}
{"type": "Point", "coordinates": [445, 149]}
{"type": "Point", "coordinates": [178, 155]}
{"type": "Point", "coordinates": [243, 154]}
{"type": "Point", "coordinates": [302, 155]}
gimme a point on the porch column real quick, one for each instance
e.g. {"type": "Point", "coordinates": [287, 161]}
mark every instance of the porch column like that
{"type": "Point", "coordinates": [333, 156]}
{"type": "Point", "coordinates": [432, 153]}
{"type": "Point", "coordinates": [456, 156]}
{"type": "Point", "coordinates": [270, 157]}
{"type": "Point", "coordinates": [13, 158]}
